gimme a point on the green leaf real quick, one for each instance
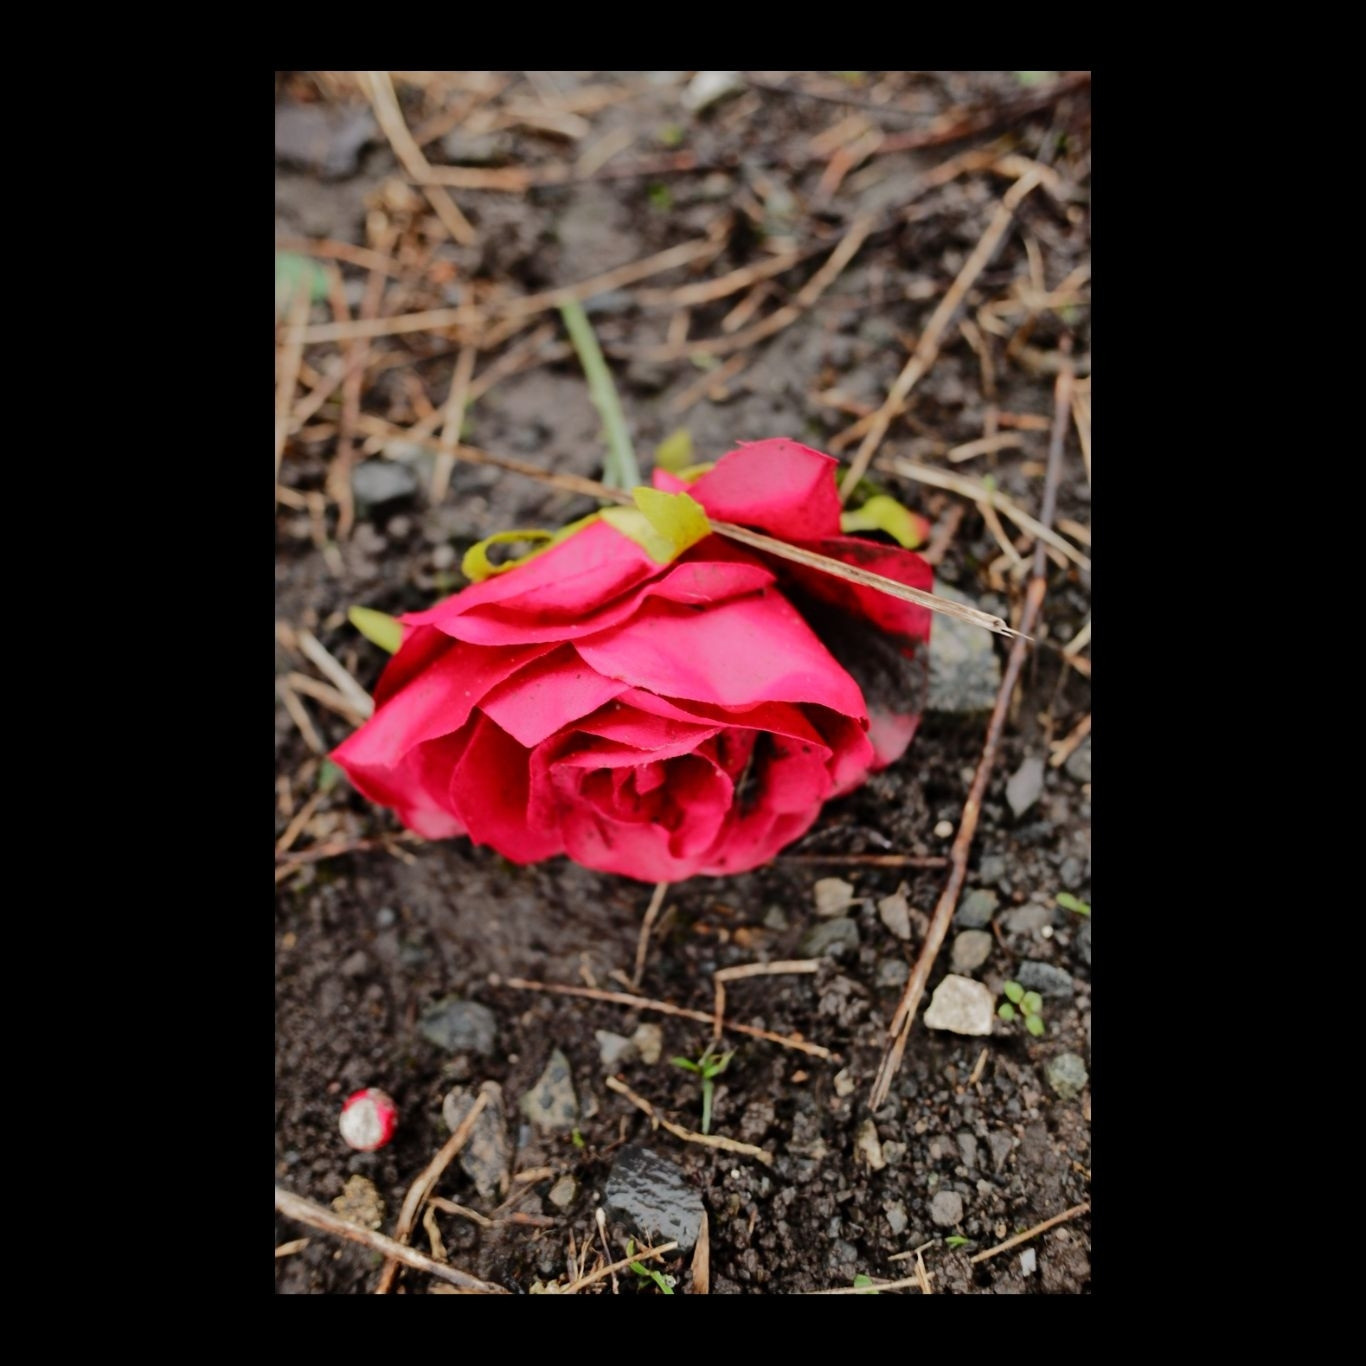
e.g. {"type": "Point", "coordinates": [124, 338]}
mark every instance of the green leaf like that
{"type": "Point", "coordinates": [1035, 1025]}
{"type": "Point", "coordinates": [1032, 1003]}
{"type": "Point", "coordinates": [577, 1139]}
{"type": "Point", "coordinates": [476, 566]}
{"type": "Point", "coordinates": [293, 273]}
{"type": "Point", "coordinates": [661, 197]}
{"type": "Point", "coordinates": [379, 628]}
{"type": "Point", "coordinates": [671, 135]}
{"type": "Point", "coordinates": [1014, 992]}
{"type": "Point", "coordinates": [674, 453]}
{"type": "Point", "coordinates": [329, 775]}
{"type": "Point", "coordinates": [881, 513]}
{"type": "Point", "coordinates": [956, 1240]}
{"type": "Point", "coordinates": [713, 1064]}
{"type": "Point", "coordinates": [708, 1091]}
{"type": "Point", "coordinates": [664, 525]}
{"type": "Point", "coordinates": [865, 1283]}
{"type": "Point", "coordinates": [1071, 903]}
{"type": "Point", "coordinates": [620, 470]}
{"type": "Point", "coordinates": [1034, 77]}
{"type": "Point", "coordinates": [686, 1063]}
{"type": "Point", "coordinates": [1006, 1011]}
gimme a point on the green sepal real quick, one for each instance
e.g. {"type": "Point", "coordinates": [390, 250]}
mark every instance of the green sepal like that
{"type": "Point", "coordinates": [379, 628]}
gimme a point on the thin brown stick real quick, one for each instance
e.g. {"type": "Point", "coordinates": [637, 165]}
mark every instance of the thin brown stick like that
{"type": "Point", "coordinates": [646, 925]}
{"type": "Point", "coordinates": [778, 969]}
{"type": "Point", "coordinates": [869, 860]}
{"type": "Point", "coordinates": [290, 1248]}
{"type": "Point", "coordinates": [315, 1216]}
{"type": "Point", "coordinates": [1063, 749]}
{"type": "Point", "coordinates": [709, 291]}
{"type": "Point", "coordinates": [704, 384]}
{"type": "Point", "coordinates": [424, 1185]}
{"type": "Point", "coordinates": [330, 697]}
{"type": "Point", "coordinates": [329, 250]}
{"type": "Point", "coordinates": [844, 252]}
{"type": "Point", "coordinates": [729, 1145]}
{"type": "Point", "coordinates": [291, 357]}
{"type": "Point", "coordinates": [300, 717]}
{"type": "Point", "coordinates": [452, 418]}
{"type": "Point", "coordinates": [286, 863]}
{"type": "Point", "coordinates": [981, 494]}
{"type": "Point", "coordinates": [645, 1254]}
{"type": "Point", "coordinates": [296, 826]}
{"type": "Point", "coordinates": [927, 349]}
{"type": "Point", "coordinates": [701, 1259]}
{"type": "Point", "coordinates": [621, 998]}
{"type": "Point", "coordinates": [900, 1028]}
{"type": "Point", "coordinates": [984, 445]}
{"type": "Point", "coordinates": [905, 1283]}
{"type": "Point", "coordinates": [1074, 1213]}
{"type": "Point", "coordinates": [317, 653]}
{"type": "Point", "coordinates": [380, 89]}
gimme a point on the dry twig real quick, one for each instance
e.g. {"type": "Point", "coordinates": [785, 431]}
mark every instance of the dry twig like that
{"type": "Point", "coordinates": [730, 1145]}
{"type": "Point", "coordinates": [1074, 1213]}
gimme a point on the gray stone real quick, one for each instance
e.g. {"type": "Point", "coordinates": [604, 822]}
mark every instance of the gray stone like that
{"type": "Point", "coordinates": [1001, 1145]}
{"type": "Point", "coordinates": [1027, 919]}
{"type": "Point", "coordinates": [967, 1149]}
{"type": "Point", "coordinates": [563, 1192]}
{"type": "Point", "coordinates": [897, 1219]}
{"type": "Point", "coordinates": [1078, 763]}
{"type": "Point", "coordinates": [355, 965]}
{"type": "Point", "coordinates": [868, 1146]}
{"type": "Point", "coordinates": [1045, 979]}
{"type": "Point", "coordinates": [551, 1104]}
{"type": "Point", "coordinates": [649, 1042]}
{"type": "Point", "coordinates": [1083, 943]}
{"type": "Point", "coordinates": [892, 972]}
{"type": "Point", "coordinates": [961, 1006]}
{"type": "Point", "coordinates": [831, 938]}
{"type": "Point", "coordinates": [845, 1085]}
{"type": "Point", "coordinates": [971, 949]}
{"type": "Point", "coordinates": [992, 869]}
{"type": "Point", "coordinates": [895, 914]}
{"type": "Point", "coordinates": [326, 138]}
{"type": "Point", "coordinates": [377, 482]}
{"type": "Point", "coordinates": [1029, 1262]}
{"type": "Point", "coordinates": [965, 674]}
{"type": "Point", "coordinates": [833, 895]}
{"type": "Point", "coordinates": [459, 1026]}
{"type": "Point", "coordinates": [486, 1157]}
{"type": "Point", "coordinates": [614, 1049]}
{"type": "Point", "coordinates": [946, 1209]}
{"type": "Point", "coordinates": [977, 909]}
{"type": "Point", "coordinates": [653, 1197]}
{"type": "Point", "coordinates": [1025, 785]}
{"type": "Point", "coordinates": [1066, 1074]}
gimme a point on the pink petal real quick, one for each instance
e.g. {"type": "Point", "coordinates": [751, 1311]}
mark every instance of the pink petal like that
{"type": "Point", "coordinates": [898, 618]}
{"type": "Point", "coordinates": [416, 787]}
{"type": "Point", "coordinates": [777, 486]}
{"type": "Point", "coordinates": [548, 695]}
{"type": "Point", "coordinates": [736, 654]}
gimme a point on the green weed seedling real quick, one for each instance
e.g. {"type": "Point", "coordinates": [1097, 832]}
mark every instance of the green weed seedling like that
{"type": "Point", "coordinates": [709, 1066]}
{"type": "Point", "coordinates": [1072, 903]}
{"type": "Point", "coordinates": [647, 1273]}
{"type": "Point", "coordinates": [1031, 1007]}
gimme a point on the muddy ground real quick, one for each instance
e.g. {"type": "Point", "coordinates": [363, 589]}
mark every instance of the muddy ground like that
{"type": "Point", "coordinates": [370, 942]}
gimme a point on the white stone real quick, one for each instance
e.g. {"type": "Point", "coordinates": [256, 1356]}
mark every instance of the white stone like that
{"type": "Point", "coordinates": [961, 1006]}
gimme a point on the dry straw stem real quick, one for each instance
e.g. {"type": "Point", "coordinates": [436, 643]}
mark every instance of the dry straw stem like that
{"type": "Point", "coordinates": [985, 497]}
{"type": "Point", "coordinates": [906, 1283]}
{"type": "Point", "coordinates": [701, 1259]}
{"type": "Point", "coordinates": [621, 998]}
{"type": "Point", "coordinates": [359, 700]}
{"type": "Point", "coordinates": [291, 357]}
{"type": "Point", "coordinates": [424, 1185]}
{"type": "Point", "coordinates": [779, 969]}
{"type": "Point", "coordinates": [1074, 1213]}
{"type": "Point", "coordinates": [452, 418]}
{"type": "Point", "coordinates": [927, 349]}
{"type": "Point", "coordinates": [315, 1216]}
{"type": "Point", "coordinates": [730, 1145]}
{"type": "Point", "coordinates": [646, 926]}
{"type": "Point", "coordinates": [437, 319]}
{"type": "Point", "coordinates": [385, 103]}
{"type": "Point", "coordinates": [900, 1028]}
{"type": "Point", "coordinates": [601, 1274]}
{"type": "Point", "coordinates": [1062, 750]}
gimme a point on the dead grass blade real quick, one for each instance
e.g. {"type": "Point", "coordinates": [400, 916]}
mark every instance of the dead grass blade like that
{"type": "Point", "coordinates": [729, 1145]}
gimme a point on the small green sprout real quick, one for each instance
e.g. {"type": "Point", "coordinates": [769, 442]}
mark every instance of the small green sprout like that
{"type": "Point", "coordinates": [709, 1066]}
{"type": "Point", "coordinates": [956, 1240]}
{"type": "Point", "coordinates": [1071, 903]}
{"type": "Point", "coordinates": [1031, 1007]}
{"type": "Point", "coordinates": [647, 1273]}
{"type": "Point", "coordinates": [577, 1139]}
{"type": "Point", "coordinates": [865, 1283]}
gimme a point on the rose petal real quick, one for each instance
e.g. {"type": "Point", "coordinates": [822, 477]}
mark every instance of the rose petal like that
{"type": "Point", "coordinates": [740, 653]}
{"type": "Point", "coordinates": [490, 788]}
{"type": "Point", "coordinates": [889, 614]}
{"type": "Point", "coordinates": [416, 787]}
{"type": "Point", "coordinates": [777, 486]}
{"type": "Point", "coordinates": [548, 695]}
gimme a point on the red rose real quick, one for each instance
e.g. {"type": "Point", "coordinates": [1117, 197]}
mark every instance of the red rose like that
{"type": "Point", "coordinates": [653, 720]}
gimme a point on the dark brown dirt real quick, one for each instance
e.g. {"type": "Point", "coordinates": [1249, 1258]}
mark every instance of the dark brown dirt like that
{"type": "Point", "coordinates": [365, 942]}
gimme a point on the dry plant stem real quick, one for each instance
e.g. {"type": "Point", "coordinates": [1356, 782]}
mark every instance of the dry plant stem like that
{"type": "Point", "coordinates": [288, 862]}
{"type": "Point", "coordinates": [423, 1187]}
{"type": "Point", "coordinates": [339, 251]}
{"type": "Point", "coordinates": [1074, 1213]}
{"type": "Point", "coordinates": [979, 493]}
{"type": "Point", "coordinates": [359, 699]}
{"type": "Point", "coordinates": [779, 969]}
{"type": "Point", "coordinates": [290, 1248]}
{"type": "Point", "coordinates": [701, 1259]}
{"type": "Point", "coordinates": [315, 1216]}
{"type": "Point", "coordinates": [385, 103]}
{"type": "Point", "coordinates": [300, 717]}
{"type": "Point", "coordinates": [709, 291]}
{"type": "Point", "coordinates": [436, 319]}
{"type": "Point", "coordinates": [329, 697]}
{"type": "Point", "coordinates": [291, 357]}
{"type": "Point", "coordinates": [869, 860]}
{"type": "Point", "coordinates": [729, 1145]}
{"type": "Point", "coordinates": [1064, 748]}
{"type": "Point", "coordinates": [927, 349]}
{"type": "Point", "coordinates": [900, 1027]}
{"type": "Point", "coordinates": [906, 1283]}
{"type": "Point", "coordinates": [453, 417]}
{"type": "Point", "coordinates": [646, 926]}
{"type": "Point", "coordinates": [621, 998]}
{"type": "Point", "coordinates": [601, 1274]}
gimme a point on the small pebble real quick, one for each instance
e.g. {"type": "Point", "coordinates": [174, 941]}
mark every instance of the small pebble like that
{"type": "Point", "coordinates": [1045, 979]}
{"type": "Point", "coordinates": [1025, 785]}
{"type": "Point", "coordinates": [970, 950]}
{"type": "Point", "coordinates": [946, 1209]}
{"type": "Point", "coordinates": [1066, 1075]}
{"type": "Point", "coordinates": [943, 830]}
{"type": "Point", "coordinates": [897, 1220]}
{"type": "Point", "coordinates": [1029, 1262]}
{"type": "Point", "coordinates": [977, 909]}
{"type": "Point", "coordinates": [562, 1193]}
{"type": "Point", "coordinates": [832, 895]}
{"type": "Point", "coordinates": [961, 1006]}
{"type": "Point", "coordinates": [649, 1042]}
{"type": "Point", "coordinates": [551, 1103]}
{"type": "Point", "coordinates": [833, 938]}
{"type": "Point", "coordinates": [844, 1082]}
{"type": "Point", "coordinates": [868, 1147]}
{"type": "Point", "coordinates": [613, 1049]}
{"type": "Point", "coordinates": [895, 914]}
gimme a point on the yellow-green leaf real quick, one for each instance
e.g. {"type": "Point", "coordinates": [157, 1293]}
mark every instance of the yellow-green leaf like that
{"type": "Point", "coordinates": [664, 525]}
{"type": "Point", "coordinates": [694, 472]}
{"type": "Point", "coordinates": [674, 453]}
{"type": "Point", "coordinates": [379, 628]}
{"type": "Point", "coordinates": [881, 513]}
{"type": "Point", "coordinates": [476, 566]}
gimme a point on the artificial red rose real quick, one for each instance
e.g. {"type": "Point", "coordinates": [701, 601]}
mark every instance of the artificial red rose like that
{"type": "Point", "coordinates": [653, 720]}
